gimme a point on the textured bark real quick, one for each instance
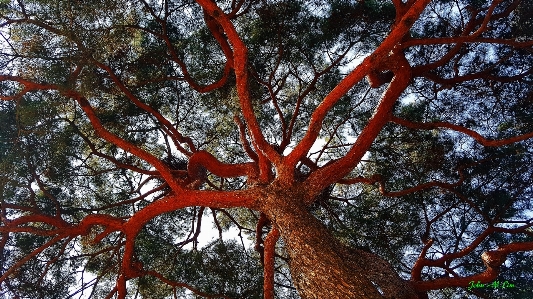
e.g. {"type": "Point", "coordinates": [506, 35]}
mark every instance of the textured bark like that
{"type": "Point", "coordinates": [321, 267]}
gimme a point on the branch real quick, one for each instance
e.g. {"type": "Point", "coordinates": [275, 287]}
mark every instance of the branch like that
{"type": "Point", "coordinates": [419, 187]}
{"type": "Point", "coordinates": [337, 170]}
{"type": "Point", "coordinates": [28, 86]}
{"type": "Point", "coordinates": [182, 285]}
{"type": "Point", "coordinates": [269, 261]}
{"type": "Point", "coordinates": [440, 262]}
{"type": "Point", "coordinates": [416, 271]}
{"type": "Point", "coordinates": [492, 259]}
{"type": "Point", "coordinates": [188, 198]}
{"type": "Point", "coordinates": [176, 136]}
{"type": "Point", "coordinates": [371, 62]}
{"type": "Point", "coordinates": [244, 140]}
{"type": "Point", "coordinates": [194, 232]}
{"type": "Point", "coordinates": [131, 200]}
{"type": "Point", "coordinates": [478, 137]}
{"type": "Point", "coordinates": [467, 36]}
{"type": "Point", "coordinates": [221, 39]}
{"type": "Point", "coordinates": [29, 256]}
{"type": "Point", "coordinates": [311, 87]}
{"type": "Point", "coordinates": [163, 169]}
{"type": "Point", "coordinates": [241, 74]}
{"type": "Point", "coordinates": [204, 159]}
{"type": "Point", "coordinates": [63, 230]}
{"type": "Point", "coordinates": [107, 157]}
{"type": "Point", "coordinates": [487, 18]}
{"type": "Point", "coordinates": [261, 222]}
{"type": "Point", "coordinates": [463, 40]}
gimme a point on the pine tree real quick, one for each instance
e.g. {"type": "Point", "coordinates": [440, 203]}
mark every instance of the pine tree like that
{"type": "Point", "coordinates": [367, 149]}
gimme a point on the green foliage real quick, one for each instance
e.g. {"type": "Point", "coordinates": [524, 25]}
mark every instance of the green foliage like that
{"type": "Point", "coordinates": [223, 268]}
{"type": "Point", "coordinates": [219, 268]}
{"type": "Point", "coordinates": [523, 20]}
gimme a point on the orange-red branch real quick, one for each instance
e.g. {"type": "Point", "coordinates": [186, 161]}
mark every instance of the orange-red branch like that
{"type": "Point", "coordinates": [371, 62]}
{"type": "Point", "coordinates": [493, 260]}
{"type": "Point", "coordinates": [240, 52]}
{"type": "Point", "coordinates": [188, 198]}
{"type": "Point", "coordinates": [269, 261]}
{"type": "Point", "coordinates": [29, 256]}
{"type": "Point", "coordinates": [244, 140]}
{"type": "Point", "coordinates": [335, 171]}
{"type": "Point", "coordinates": [28, 86]}
{"type": "Point", "coordinates": [163, 169]}
{"type": "Point", "coordinates": [468, 35]}
{"type": "Point", "coordinates": [487, 276]}
{"type": "Point", "coordinates": [112, 159]}
{"type": "Point", "coordinates": [209, 162]}
{"type": "Point", "coordinates": [487, 18]}
{"type": "Point", "coordinates": [212, 25]}
{"type": "Point", "coordinates": [464, 39]}
{"type": "Point", "coordinates": [218, 34]}
{"type": "Point", "coordinates": [176, 136]}
{"type": "Point", "coordinates": [478, 137]}
{"type": "Point", "coordinates": [187, 76]}
{"type": "Point", "coordinates": [423, 262]}
{"type": "Point", "coordinates": [62, 230]}
{"type": "Point", "coordinates": [50, 220]}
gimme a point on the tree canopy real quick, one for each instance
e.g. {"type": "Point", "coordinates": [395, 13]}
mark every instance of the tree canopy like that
{"type": "Point", "coordinates": [367, 149]}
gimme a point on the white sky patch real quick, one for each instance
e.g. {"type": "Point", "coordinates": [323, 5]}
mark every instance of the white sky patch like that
{"type": "Point", "coordinates": [209, 233]}
{"type": "Point", "coordinates": [354, 63]}
{"type": "Point", "coordinates": [409, 99]}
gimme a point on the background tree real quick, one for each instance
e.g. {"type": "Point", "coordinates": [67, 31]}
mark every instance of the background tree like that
{"type": "Point", "coordinates": [126, 124]}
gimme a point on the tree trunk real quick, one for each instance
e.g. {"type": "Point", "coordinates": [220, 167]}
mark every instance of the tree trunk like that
{"type": "Point", "coordinates": [323, 268]}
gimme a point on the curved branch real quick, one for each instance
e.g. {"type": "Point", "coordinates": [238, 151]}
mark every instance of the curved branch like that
{"type": "Point", "coordinates": [478, 137]}
{"type": "Point", "coordinates": [176, 136]}
{"type": "Point", "coordinates": [30, 256]}
{"type": "Point", "coordinates": [163, 169]}
{"type": "Point", "coordinates": [484, 74]}
{"type": "Point", "coordinates": [241, 74]}
{"type": "Point", "coordinates": [188, 198]}
{"type": "Point", "coordinates": [492, 259]}
{"type": "Point", "coordinates": [204, 159]}
{"type": "Point", "coordinates": [194, 232]}
{"type": "Point", "coordinates": [62, 231]}
{"type": "Point", "coordinates": [416, 271]}
{"type": "Point", "coordinates": [329, 174]}
{"type": "Point", "coordinates": [467, 36]}
{"type": "Point", "coordinates": [371, 62]}
{"type": "Point", "coordinates": [423, 262]}
{"type": "Point", "coordinates": [107, 157]}
{"type": "Point", "coordinates": [487, 18]}
{"type": "Point", "coordinates": [28, 86]}
{"type": "Point", "coordinates": [463, 40]}
{"type": "Point", "coordinates": [217, 34]}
